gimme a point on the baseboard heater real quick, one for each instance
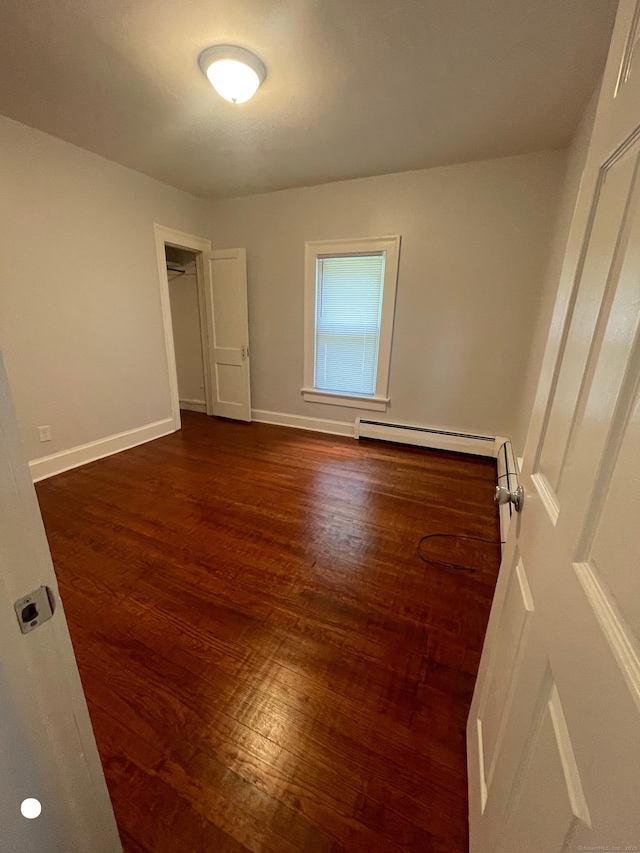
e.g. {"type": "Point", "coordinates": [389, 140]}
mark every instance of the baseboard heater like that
{"type": "Point", "coordinates": [438, 439]}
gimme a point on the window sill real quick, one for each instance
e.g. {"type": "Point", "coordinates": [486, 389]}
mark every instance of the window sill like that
{"type": "Point", "coordinates": [333, 398]}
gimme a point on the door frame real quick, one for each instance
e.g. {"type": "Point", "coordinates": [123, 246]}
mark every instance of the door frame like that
{"type": "Point", "coordinates": [201, 247]}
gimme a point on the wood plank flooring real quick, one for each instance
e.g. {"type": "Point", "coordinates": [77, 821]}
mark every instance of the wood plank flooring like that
{"type": "Point", "coordinates": [269, 665]}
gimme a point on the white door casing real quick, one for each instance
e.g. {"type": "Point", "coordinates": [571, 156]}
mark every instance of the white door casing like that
{"type": "Point", "coordinates": [201, 247]}
{"type": "Point", "coordinates": [227, 305]}
{"type": "Point", "coordinates": [47, 748]}
{"type": "Point", "coordinates": [554, 728]}
{"type": "Point", "coordinates": [224, 326]}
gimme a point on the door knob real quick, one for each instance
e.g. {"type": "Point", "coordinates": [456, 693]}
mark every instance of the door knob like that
{"type": "Point", "coordinates": [503, 495]}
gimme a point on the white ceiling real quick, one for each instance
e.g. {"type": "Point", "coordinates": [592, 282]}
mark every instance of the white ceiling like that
{"type": "Point", "coordinates": [354, 87]}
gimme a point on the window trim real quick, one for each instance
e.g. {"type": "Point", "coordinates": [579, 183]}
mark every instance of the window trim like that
{"type": "Point", "coordinates": [378, 401]}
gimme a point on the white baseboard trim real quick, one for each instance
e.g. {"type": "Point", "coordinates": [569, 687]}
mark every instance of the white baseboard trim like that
{"type": "Point", "coordinates": [194, 406]}
{"type": "Point", "coordinates": [302, 422]}
{"type": "Point", "coordinates": [49, 466]}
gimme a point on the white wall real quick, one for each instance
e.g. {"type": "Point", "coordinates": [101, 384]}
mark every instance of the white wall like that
{"type": "Point", "coordinates": [187, 338]}
{"type": "Point", "coordinates": [80, 321]}
{"type": "Point", "coordinates": [475, 240]}
{"type": "Point", "coordinates": [575, 160]}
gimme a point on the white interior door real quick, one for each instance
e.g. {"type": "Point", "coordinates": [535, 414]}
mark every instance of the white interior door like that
{"type": "Point", "coordinates": [47, 749]}
{"type": "Point", "coordinates": [554, 729]}
{"type": "Point", "coordinates": [226, 287]}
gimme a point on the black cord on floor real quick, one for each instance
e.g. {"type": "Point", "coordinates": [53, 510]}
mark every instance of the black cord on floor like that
{"type": "Point", "coordinates": [452, 566]}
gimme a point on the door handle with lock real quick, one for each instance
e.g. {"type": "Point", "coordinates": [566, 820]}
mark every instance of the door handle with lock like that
{"type": "Point", "coordinates": [34, 609]}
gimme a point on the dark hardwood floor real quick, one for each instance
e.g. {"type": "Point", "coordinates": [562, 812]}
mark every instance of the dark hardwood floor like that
{"type": "Point", "coordinates": [269, 665]}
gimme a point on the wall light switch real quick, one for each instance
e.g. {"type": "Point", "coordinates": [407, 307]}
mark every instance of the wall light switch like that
{"type": "Point", "coordinates": [45, 433]}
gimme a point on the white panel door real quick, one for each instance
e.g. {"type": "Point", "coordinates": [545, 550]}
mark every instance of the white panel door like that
{"type": "Point", "coordinates": [47, 749]}
{"type": "Point", "coordinates": [229, 333]}
{"type": "Point", "coordinates": [554, 728]}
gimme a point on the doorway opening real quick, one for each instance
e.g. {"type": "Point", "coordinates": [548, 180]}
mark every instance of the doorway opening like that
{"type": "Point", "coordinates": [204, 294]}
{"type": "Point", "coordinates": [182, 269]}
{"type": "Point", "coordinates": [188, 328]}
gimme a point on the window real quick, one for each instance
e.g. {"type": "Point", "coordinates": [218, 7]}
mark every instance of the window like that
{"type": "Point", "coordinates": [350, 288]}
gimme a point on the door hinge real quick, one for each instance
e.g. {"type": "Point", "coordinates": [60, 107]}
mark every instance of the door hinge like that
{"type": "Point", "coordinates": [244, 352]}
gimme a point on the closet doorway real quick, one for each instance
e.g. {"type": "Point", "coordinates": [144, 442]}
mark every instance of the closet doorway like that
{"type": "Point", "coordinates": [177, 250]}
{"type": "Point", "coordinates": [188, 327]}
{"type": "Point", "coordinates": [203, 294]}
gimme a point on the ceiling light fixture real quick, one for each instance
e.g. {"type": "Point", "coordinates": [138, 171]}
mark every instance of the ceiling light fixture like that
{"type": "Point", "coordinates": [235, 73]}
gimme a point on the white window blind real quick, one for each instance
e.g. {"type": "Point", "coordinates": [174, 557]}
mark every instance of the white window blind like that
{"type": "Point", "coordinates": [349, 292]}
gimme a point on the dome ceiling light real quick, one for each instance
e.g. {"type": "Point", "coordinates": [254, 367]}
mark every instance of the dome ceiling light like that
{"type": "Point", "coordinates": [235, 73]}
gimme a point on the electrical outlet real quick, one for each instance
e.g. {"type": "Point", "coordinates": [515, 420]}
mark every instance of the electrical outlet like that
{"type": "Point", "coordinates": [45, 433]}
